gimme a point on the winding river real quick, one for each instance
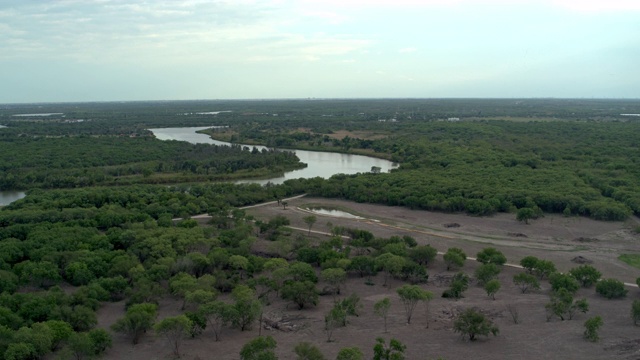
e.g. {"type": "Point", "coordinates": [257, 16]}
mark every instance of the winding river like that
{"type": "Point", "coordinates": [319, 164]}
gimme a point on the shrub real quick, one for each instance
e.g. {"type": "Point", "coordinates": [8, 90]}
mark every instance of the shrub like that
{"type": "Point", "coordinates": [526, 282]}
{"type": "Point", "coordinates": [491, 256]}
{"type": "Point", "coordinates": [459, 284]}
{"type": "Point", "coordinates": [591, 328]}
{"type": "Point", "coordinates": [635, 311]}
{"type": "Point", "coordinates": [611, 289]}
{"type": "Point", "coordinates": [586, 275]}
{"type": "Point", "coordinates": [472, 323]}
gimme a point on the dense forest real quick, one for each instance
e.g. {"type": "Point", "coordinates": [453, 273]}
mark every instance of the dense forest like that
{"type": "Point", "coordinates": [108, 207]}
{"type": "Point", "coordinates": [577, 157]}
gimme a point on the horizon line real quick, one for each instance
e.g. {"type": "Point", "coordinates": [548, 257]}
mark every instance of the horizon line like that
{"type": "Point", "coordinates": [316, 99]}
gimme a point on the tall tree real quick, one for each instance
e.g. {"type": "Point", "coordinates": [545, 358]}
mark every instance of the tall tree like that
{"type": "Point", "coordinates": [310, 220]}
{"type": "Point", "coordinates": [410, 295]}
{"type": "Point", "coordinates": [381, 308]}
{"type": "Point", "coordinates": [246, 307]}
{"type": "Point", "coordinates": [174, 329]}
{"type": "Point", "coordinates": [454, 258]}
{"type": "Point", "coordinates": [138, 319]}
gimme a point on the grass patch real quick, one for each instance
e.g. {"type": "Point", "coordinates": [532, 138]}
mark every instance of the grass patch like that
{"type": "Point", "coordinates": [631, 259]}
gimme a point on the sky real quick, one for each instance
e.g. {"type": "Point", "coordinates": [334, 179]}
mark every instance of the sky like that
{"type": "Point", "coordinates": [121, 50]}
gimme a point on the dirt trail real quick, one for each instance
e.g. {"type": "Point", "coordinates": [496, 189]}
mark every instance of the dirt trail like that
{"type": "Point", "coordinates": [553, 237]}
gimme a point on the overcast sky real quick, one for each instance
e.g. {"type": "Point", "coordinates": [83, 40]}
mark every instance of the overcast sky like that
{"type": "Point", "coordinates": [107, 50]}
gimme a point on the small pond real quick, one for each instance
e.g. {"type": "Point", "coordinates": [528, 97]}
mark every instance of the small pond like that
{"type": "Point", "coordinates": [334, 213]}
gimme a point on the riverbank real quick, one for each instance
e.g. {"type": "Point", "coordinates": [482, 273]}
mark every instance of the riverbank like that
{"type": "Point", "coordinates": [227, 137]}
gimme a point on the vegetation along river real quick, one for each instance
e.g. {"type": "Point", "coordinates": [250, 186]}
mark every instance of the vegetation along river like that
{"type": "Point", "coordinates": [322, 164]}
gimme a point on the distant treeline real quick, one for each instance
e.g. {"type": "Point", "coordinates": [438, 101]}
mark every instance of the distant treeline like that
{"type": "Point", "coordinates": [577, 157]}
{"type": "Point", "coordinates": [80, 161]}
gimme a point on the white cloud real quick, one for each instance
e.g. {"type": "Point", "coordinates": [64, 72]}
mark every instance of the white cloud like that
{"type": "Point", "coordinates": [407, 50]}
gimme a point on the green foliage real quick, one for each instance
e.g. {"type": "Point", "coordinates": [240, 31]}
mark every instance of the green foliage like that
{"type": "Point", "coordinates": [39, 337]}
{"type": "Point", "coordinates": [217, 314]}
{"type": "Point", "coordinates": [394, 351]}
{"type": "Point", "coordinates": [459, 284]}
{"type": "Point", "coordinates": [246, 307]}
{"type": "Point", "coordinates": [635, 311]}
{"type": "Point", "coordinates": [473, 323]}
{"type": "Point", "coordinates": [334, 278]}
{"type": "Point", "coordinates": [138, 319]}
{"type": "Point", "coordinates": [63, 162]}
{"type": "Point", "coordinates": [60, 331]}
{"type": "Point", "coordinates": [43, 274]}
{"type": "Point", "coordinates": [492, 287]}
{"type": "Point", "coordinates": [174, 330]}
{"type": "Point", "coordinates": [335, 318]}
{"type": "Point", "coordinates": [491, 256]}
{"type": "Point", "coordinates": [302, 293]}
{"type": "Point", "coordinates": [631, 259]}
{"type": "Point", "coordinates": [592, 326]}
{"type": "Point", "coordinates": [586, 275]}
{"type": "Point", "coordinates": [563, 281]}
{"type": "Point", "coordinates": [611, 288]}
{"type": "Point", "coordinates": [363, 266]}
{"type": "Point", "coordinates": [487, 272]}
{"type": "Point", "coordinates": [381, 308]}
{"type": "Point", "coordinates": [529, 263]}
{"type": "Point", "coordinates": [454, 258]}
{"type": "Point", "coordinates": [538, 267]}
{"type": "Point", "coordinates": [544, 268]}
{"type": "Point", "coordinates": [350, 353]}
{"type": "Point", "coordinates": [351, 304]}
{"type": "Point", "coordinates": [20, 351]}
{"type": "Point", "coordinates": [526, 214]}
{"type": "Point", "coordinates": [301, 271]}
{"type": "Point", "coordinates": [391, 265]}
{"type": "Point", "coordinates": [260, 348]}
{"type": "Point", "coordinates": [310, 220]}
{"type": "Point", "coordinates": [80, 346]}
{"type": "Point", "coordinates": [563, 305]}
{"type": "Point", "coordinates": [307, 351]}
{"type": "Point", "coordinates": [100, 340]}
{"type": "Point", "coordinates": [526, 282]}
{"type": "Point", "coordinates": [423, 254]}
{"type": "Point", "coordinates": [8, 282]}
{"type": "Point", "coordinates": [413, 272]}
{"type": "Point", "coordinates": [410, 295]}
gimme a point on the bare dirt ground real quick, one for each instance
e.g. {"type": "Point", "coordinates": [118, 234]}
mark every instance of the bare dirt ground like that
{"type": "Point", "coordinates": [554, 238]}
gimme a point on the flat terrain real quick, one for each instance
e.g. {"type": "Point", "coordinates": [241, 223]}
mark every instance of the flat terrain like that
{"type": "Point", "coordinates": [430, 334]}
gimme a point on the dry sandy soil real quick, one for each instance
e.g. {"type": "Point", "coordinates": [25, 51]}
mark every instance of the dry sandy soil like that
{"type": "Point", "coordinates": [430, 334]}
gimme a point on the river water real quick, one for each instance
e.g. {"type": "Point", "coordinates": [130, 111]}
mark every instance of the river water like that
{"type": "Point", "coordinates": [319, 164]}
{"type": "Point", "coordinates": [7, 197]}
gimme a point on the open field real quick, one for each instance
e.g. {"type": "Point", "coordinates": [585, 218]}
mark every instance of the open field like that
{"type": "Point", "coordinates": [554, 238]}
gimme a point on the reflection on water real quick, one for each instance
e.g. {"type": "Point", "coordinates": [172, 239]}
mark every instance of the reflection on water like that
{"type": "Point", "coordinates": [336, 213]}
{"type": "Point", "coordinates": [319, 164]}
{"type": "Point", "coordinates": [7, 197]}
